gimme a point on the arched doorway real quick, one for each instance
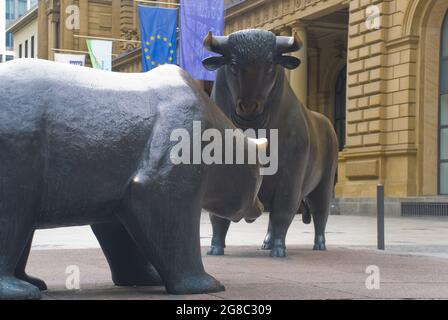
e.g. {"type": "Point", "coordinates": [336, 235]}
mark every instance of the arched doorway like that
{"type": "Point", "coordinates": [443, 111]}
{"type": "Point", "coordinates": [340, 106]}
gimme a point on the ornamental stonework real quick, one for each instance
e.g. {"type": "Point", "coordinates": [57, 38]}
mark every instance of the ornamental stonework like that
{"type": "Point", "coordinates": [241, 17]}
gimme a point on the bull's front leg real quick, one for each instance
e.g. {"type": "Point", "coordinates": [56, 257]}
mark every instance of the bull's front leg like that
{"type": "Point", "coordinates": [284, 208]}
{"type": "Point", "coordinates": [280, 220]}
{"type": "Point", "coordinates": [220, 227]}
{"type": "Point", "coordinates": [164, 221]}
{"type": "Point", "coordinates": [268, 239]}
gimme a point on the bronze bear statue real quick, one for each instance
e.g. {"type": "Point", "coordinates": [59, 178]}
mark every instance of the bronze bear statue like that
{"type": "Point", "coordinates": [87, 147]}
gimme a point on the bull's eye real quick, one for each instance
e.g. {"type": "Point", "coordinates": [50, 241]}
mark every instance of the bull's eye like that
{"type": "Point", "coordinates": [233, 67]}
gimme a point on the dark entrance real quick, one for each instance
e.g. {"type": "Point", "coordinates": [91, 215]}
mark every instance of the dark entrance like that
{"type": "Point", "coordinates": [340, 107]}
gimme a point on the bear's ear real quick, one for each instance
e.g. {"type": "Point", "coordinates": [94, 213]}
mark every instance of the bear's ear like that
{"type": "Point", "coordinates": [214, 63]}
{"type": "Point", "coordinates": [288, 62]}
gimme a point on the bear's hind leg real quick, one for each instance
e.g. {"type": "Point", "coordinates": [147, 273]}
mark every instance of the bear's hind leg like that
{"type": "Point", "coordinates": [21, 266]}
{"type": "Point", "coordinates": [126, 261]}
{"type": "Point", "coordinates": [14, 235]}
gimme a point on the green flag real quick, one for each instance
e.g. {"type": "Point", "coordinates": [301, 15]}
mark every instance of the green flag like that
{"type": "Point", "coordinates": [100, 52]}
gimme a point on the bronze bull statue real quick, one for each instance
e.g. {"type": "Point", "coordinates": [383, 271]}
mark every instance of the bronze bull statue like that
{"type": "Point", "coordinates": [252, 90]}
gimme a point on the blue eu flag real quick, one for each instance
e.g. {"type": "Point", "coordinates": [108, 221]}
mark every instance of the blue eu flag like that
{"type": "Point", "coordinates": [158, 36]}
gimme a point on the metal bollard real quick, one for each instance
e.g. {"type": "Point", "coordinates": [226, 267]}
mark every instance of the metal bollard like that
{"type": "Point", "coordinates": [380, 216]}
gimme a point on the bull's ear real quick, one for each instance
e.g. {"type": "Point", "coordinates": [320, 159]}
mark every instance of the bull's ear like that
{"type": "Point", "coordinates": [213, 63]}
{"type": "Point", "coordinates": [288, 62]}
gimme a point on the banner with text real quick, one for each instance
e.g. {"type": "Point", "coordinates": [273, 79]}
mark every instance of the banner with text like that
{"type": "Point", "coordinates": [197, 18]}
{"type": "Point", "coordinates": [74, 59]}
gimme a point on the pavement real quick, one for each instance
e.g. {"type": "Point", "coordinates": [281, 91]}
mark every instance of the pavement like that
{"type": "Point", "coordinates": [414, 265]}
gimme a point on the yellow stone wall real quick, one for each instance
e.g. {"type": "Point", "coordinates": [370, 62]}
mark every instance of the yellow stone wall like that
{"type": "Point", "coordinates": [389, 71]}
{"type": "Point", "coordinates": [98, 18]}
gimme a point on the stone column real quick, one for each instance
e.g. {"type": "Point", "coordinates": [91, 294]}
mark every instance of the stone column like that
{"type": "Point", "coordinates": [83, 24]}
{"type": "Point", "coordinates": [53, 20]}
{"type": "Point", "coordinates": [66, 38]}
{"type": "Point", "coordinates": [313, 80]}
{"type": "Point", "coordinates": [299, 76]}
{"type": "Point", "coordinates": [286, 32]}
{"type": "Point", "coordinates": [42, 44]}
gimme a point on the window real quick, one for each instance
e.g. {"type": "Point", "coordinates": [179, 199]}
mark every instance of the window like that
{"type": "Point", "coordinates": [10, 10]}
{"type": "Point", "coordinates": [9, 58]}
{"type": "Point", "coordinates": [32, 47]}
{"type": "Point", "coordinates": [22, 8]}
{"type": "Point", "coordinates": [26, 48]}
{"type": "Point", "coordinates": [9, 41]}
{"type": "Point", "coordinates": [1, 58]}
{"type": "Point", "coordinates": [340, 107]}
{"type": "Point", "coordinates": [443, 112]}
{"type": "Point", "coordinates": [20, 51]}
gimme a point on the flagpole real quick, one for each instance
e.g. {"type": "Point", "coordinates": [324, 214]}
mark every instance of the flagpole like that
{"type": "Point", "coordinates": [157, 2]}
{"type": "Point", "coordinates": [73, 51]}
{"type": "Point", "coordinates": [104, 38]}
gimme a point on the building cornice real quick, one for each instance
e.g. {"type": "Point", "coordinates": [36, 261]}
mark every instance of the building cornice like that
{"type": "Point", "coordinates": [274, 14]}
{"type": "Point", "coordinates": [23, 21]}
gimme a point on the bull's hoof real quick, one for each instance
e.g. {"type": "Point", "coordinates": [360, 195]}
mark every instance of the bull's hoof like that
{"type": "Point", "coordinates": [147, 278]}
{"type": "Point", "coordinates": [14, 289]}
{"type": "Point", "coordinates": [216, 251]}
{"type": "Point", "coordinates": [320, 247]}
{"type": "Point", "coordinates": [278, 252]}
{"type": "Point", "coordinates": [267, 245]}
{"type": "Point", "coordinates": [319, 243]}
{"type": "Point", "coordinates": [34, 281]}
{"type": "Point", "coordinates": [195, 285]}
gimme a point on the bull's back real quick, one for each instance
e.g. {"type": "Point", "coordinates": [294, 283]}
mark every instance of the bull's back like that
{"type": "Point", "coordinates": [324, 139]}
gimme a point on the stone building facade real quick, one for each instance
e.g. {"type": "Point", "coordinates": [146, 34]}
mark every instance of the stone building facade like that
{"type": "Point", "coordinates": [374, 67]}
{"type": "Point", "coordinates": [58, 29]}
{"type": "Point", "coordinates": [395, 112]}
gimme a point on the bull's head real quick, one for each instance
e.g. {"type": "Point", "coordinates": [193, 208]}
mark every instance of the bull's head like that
{"type": "Point", "coordinates": [252, 61]}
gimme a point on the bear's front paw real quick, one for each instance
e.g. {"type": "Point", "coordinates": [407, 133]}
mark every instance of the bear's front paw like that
{"type": "Point", "coordinates": [198, 284]}
{"type": "Point", "coordinates": [34, 281]}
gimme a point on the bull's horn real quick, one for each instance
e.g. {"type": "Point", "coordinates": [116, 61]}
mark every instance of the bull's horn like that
{"type": "Point", "coordinates": [261, 143]}
{"type": "Point", "coordinates": [216, 44]}
{"type": "Point", "coordinates": [289, 44]}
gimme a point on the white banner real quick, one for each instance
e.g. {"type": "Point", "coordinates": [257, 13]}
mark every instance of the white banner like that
{"type": "Point", "coordinates": [100, 52]}
{"type": "Point", "coordinates": [75, 59]}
